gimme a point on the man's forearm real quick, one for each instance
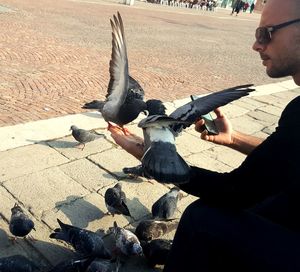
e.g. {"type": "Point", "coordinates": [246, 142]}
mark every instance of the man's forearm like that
{"type": "Point", "coordinates": [244, 143]}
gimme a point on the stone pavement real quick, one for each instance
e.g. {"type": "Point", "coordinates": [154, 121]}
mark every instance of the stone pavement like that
{"type": "Point", "coordinates": [42, 171]}
{"type": "Point", "coordinates": [55, 54]}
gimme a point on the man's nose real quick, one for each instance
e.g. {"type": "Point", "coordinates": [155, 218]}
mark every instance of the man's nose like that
{"type": "Point", "coordinates": [259, 47]}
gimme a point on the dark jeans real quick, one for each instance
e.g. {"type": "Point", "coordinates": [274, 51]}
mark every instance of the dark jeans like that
{"type": "Point", "coordinates": [212, 239]}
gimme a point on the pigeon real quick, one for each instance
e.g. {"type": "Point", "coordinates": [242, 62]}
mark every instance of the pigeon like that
{"type": "Point", "coordinates": [84, 241]}
{"type": "Point", "coordinates": [83, 136]}
{"type": "Point", "coordinates": [99, 265]}
{"type": "Point", "coordinates": [20, 224]}
{"type": "Point", "coordinates": [152, 229]}
{"type": "Point", "coordinates": [165, 206]}
{"type": "Point", "coordinates": [115, 200]}
{"type": "Point", "coordinates": [126, 241]}
{"type": "Point", "coordinates": [161, 160]}
{"type": "Point", "coordinates": [157, 251]}
{"type": "Point", "coordinates": [124, 102]}
{"type": "Point", "coordinates": [17, 263]}
{"type": "Point", "coordinates": [134, 87]}
{"type": "Point", "coordinates": [73, 265]}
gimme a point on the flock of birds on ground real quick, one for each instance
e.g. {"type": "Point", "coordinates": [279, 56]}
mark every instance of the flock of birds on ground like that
{"type": "Point", "coordinates": [124, 102]}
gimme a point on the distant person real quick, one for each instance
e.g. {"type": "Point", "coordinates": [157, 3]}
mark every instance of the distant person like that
{"type": "Point", "coordinates": [237, 7]}
{"type": "Point", "coordinates": [252, 7]}
{"type": "Point", "coordinates": [245, 7]}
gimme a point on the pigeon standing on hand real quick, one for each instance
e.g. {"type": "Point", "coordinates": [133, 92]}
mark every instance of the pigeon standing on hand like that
{"type": "Point", "coordinates": [166, 205]}
{"type": "Point", "coordinates": [124, 102]}
{"type": "Point", "coordinates": [115, 200]}
{"type": "Point", "coordinates": [83, 241]}
{"type": "Point", "coordinates": [83, 136]}
{"type": "Point", "coordinates": [152, 229]}
{"type": "Point", "coordinates": [17, 263]}
{"type": "Point", "coordinates": [161, 160]}
{"type": "Point", "coordinates": [20, 224]}
{"type": "Point", "coordinates": [126, 241]}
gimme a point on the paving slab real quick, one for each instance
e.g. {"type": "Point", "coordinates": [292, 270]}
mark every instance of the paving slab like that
{"type": "Point", "coordinates": [88, 174]}
{"type": "Point", "coordinates": [40, 191]}
{"type": "Point", "coordinates": [21, 161]}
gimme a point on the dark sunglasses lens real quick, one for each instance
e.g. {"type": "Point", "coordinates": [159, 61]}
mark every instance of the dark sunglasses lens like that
{"type": "Point", "coordinates": [262, 35]}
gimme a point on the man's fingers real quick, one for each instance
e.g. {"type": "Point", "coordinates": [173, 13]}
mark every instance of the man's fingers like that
{"type": "Point", "coordinates": [219, 113]}
{"type": "Point", "coordinates": [199, 125]}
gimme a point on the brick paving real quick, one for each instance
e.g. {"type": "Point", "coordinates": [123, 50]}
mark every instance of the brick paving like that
{"type": "Point", "coordinates": [54, 55]}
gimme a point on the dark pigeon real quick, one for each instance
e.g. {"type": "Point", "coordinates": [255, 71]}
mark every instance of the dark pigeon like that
{"type": "Point", "coordinates": [115, 200]}
{"type": "Point", "coordinates": [20, 224]}
{"type": "Point", "coordinates": [152, 229]}
{"type": "Point", "coordinates": [73, 265]}
{"type": "Point", "coordinates": [126, 241]}
{"type": "Point", "coordinates": [84, 241]}
{"type": "Point", "coordinates": [84, 136]}
{"type": "Point", "coordinates": [157, 251]}
{"type": "Point", "coordinates": [154, 107]}
{"type": "Point", "coordinates": [161, 160]}
{"type": "Point", "coordinates": [99, 265]}
{"type": "Point", "coordinates": [165, 206]}
{"type": "Point", "coordinates": [124, 101]}
{"type": "Point", "coordinates": [17, 263]}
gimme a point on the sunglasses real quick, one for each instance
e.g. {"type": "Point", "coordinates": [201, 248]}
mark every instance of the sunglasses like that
{"type": "Point", "coordinates": [263, 34]}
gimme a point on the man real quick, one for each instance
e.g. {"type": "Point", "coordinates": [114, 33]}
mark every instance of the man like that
{"type": "Point", "coordinates": [247, 219]}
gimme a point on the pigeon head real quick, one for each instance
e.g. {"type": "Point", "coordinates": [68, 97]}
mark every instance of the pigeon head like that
{"type": "Point", "coordinates": [118, 186]}
{"type": "Point", "coordinates": [16, 208]}
{"type": "Point", "coordinates": [137, 249]}
{"type": "Point", "coordinates": [73, 128]}
{"type": "Point", "coordinates": [174, 192]}
{"type": "Point", "coordinates": [155, 107]}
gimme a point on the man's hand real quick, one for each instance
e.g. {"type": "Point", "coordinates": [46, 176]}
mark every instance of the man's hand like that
{"type": "Point", "coordinates": [224, 127]}
{"type": "Point", "coordinates": [130, 142]}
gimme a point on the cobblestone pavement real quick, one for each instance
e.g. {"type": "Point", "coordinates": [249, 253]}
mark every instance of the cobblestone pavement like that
{"type": "Point", "coordinates": [55, 54]}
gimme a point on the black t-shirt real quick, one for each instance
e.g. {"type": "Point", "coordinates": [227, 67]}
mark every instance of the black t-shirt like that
{"type": "Point", "coordinates": [268, 181]}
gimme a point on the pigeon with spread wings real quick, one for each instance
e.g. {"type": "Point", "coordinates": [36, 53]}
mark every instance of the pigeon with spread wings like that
{"type": "Point", "coordinates": [161, 160]}
{"type": "Point", "coordinates": [124, 99]}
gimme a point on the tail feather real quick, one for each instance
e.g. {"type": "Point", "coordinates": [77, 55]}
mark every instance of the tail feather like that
{"type": "Point", "coordinates": [167, 166]}
{"type": "Point", "coordinates": [95, 105]}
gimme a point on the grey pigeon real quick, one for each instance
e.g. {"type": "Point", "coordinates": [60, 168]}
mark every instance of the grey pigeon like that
{"type": "Point", "coordinates": [115, 200]}
{"type": "Point", "coordinates": [157, 251]}
{"type": "Point", "coordinates": [123, 104]}
{"type": "Point", "coordinates": [166, 205]}
{"type": "Point", "coordinates": [99, 265]}
{"type": "Point", "coordinates": [84, 241]}
{"type": "Point", "coordinates": [84, 136]}
{"type": "Point", "coordinates": [134, 87]}
{"type": "Point", "coordinates": [20, 224]}
{"type": "Point", "coordinates": [152, 229]}
{"type": "Point", "coordinates": [154, 107]}
{"type": "Point", "coordinates": [161, 160]}
{"type": "Point", "coordinates": [73, 265]}
{"type": "Point", "coordinates": [17, 263]}
{"type": "Point", "coordinates": [126, 241]}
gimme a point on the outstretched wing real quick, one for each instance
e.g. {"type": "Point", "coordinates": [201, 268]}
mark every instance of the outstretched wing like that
{"type": "Point", "coordinates": [193, 110]}
{"type": "Point", "coordinates": [118, 65]}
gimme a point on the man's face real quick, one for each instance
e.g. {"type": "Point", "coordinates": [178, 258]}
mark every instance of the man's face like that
{"type": "Point", "coordinates": [281, 55]}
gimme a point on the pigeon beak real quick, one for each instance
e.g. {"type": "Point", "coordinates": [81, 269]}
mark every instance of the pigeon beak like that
{"type": "Point", "coordinates": [34, 228]}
